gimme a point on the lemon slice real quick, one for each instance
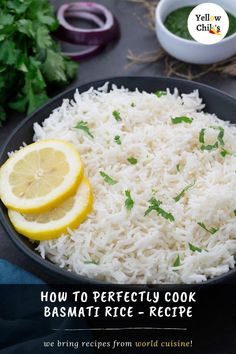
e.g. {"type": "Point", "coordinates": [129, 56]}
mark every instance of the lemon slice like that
{"type": "Point", "coordinates": [52, 224]}
{"type": "Point", "coordinates": [40, 176]}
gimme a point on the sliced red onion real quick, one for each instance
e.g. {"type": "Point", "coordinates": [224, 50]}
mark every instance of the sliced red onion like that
{"type": "Point", "coordinates": [86, 16]}
{"type": "Point", "coordinates": [91, 50]}
{"type": "Point", "coordinates": [86, 53]}
{"type": "Point", "coordinates": [98, 36]}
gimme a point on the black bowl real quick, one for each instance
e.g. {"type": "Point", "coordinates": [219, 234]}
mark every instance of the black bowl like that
{"type": "Point", "coordinates": [216, 102]}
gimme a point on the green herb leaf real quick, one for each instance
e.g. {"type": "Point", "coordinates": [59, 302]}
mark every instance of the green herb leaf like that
{"type": "Point", "coordinates": [209, 147]}
{"type": "Point", "coordinates": [29, 57]}
{"type": "Point", "coordinates": [160, 93]}
{"type": "Point", "coordinates": [176, 262]}
{"type": "Point", "coordinates": [82, 125]}
{"type": "Point", "coordinates": [53, 67]}
{"type": "Point", "coordinates": [183, 119]}
{"type": "Point", "coordinates": [225, 153]}
{"type": "Point", "coordinates": [202, 136]}
{"type": "Point", "coordinates": [8, 52]}
{"type": "Point", "coordinates": [132, 160]}
{"type": "Point", "coordinates": [49, 20]}
{"type": "Point", "coordinates": [129, 203]}
{"type": "Point", "coordinates": [220, 135]}
{"type": "Point", "coordinates": [155, 205]}
{"type": "Point", "coordinates": [132, 104]}
{"type": "Point", "coordinates": [234, 212]}
{"type": "Point", "coordinates": [117, 140]}
{"type": "Point", "coordinates": [116, 115]}
{"type": "Point", "coordinates": [26, 26]}
{"type": "Point", "coordinates": [91, 262]}
{"type": "Point", "coordinates": [194, 248]}
{"type": "Point", "coordinates": [43, 38]}
{"type": "Point", "coordinates": [212, 230]}
{"type": "Point", "coordinates": [108, 179]}
{"type": "Point", "coordinates": [71, 68]}
{"type": "Point", "coordinates": [178, 167]}
{"type": "Point", "coordinates": [182, 193]}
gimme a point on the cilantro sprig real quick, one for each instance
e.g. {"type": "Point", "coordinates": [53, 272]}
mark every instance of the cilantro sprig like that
{"type": "Point", "coordinates": [109, 180]}
{"type": "Point", "coordinates": [178, 167]}
{"type": "Point", "coordinates": [194, 248]}
{"type": "Point", "coordinates": [160, 93]}
{"type": "Point", "coordinates": [221, 134]}
{"type": "Point", "coordinates": [219, 141]}
{"type": "Point", "coordinates": [30, 59]}
{"type": "Point", "coordinates": [212, 230]}
{"type": "Point", "coordinates": [182, 193]}
{"type": "Point", "coordinates": [155, 206]}
{"type": "Point", "coordinates": [210, 147]}
{"type": "Point", "coordinates": [129, 203]}
{"type": "Point", "coordinates": [178, 120]}
{"type": "Point", "coordinates": [225, 152]}
{"type": "Point", "coordinates": [176, 262]}
{"type": "Point", "coordinates": [91, 262]}
{"type": "Point", "coordinates": [116, 115]}
{"type": "Point", "coordinates": [202, 136]}
{"type": "Point", "coordinates": [117, 140]}
{"type": "Point", "coordinates": [132, 160]}
{"type": "Point", "coordinates": [82, 125]}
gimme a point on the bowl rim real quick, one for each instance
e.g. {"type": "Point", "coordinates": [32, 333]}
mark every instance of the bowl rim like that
{"type": "Point", "coordinates": [194, 43]}
{"type": "Point", "coordinates": [72, 277]}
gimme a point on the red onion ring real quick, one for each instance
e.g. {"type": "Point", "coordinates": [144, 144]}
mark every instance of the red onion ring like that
{"type": "Point", "coordinates": [98, 36]}
{"type": "Point", "coordinates": [86, 53]}
{"type": "Point", "coordinates": [86, 16]}
{"type": "Point", "coordinates": [91, 50]}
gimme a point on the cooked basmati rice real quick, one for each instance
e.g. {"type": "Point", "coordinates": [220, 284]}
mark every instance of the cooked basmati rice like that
{"type": "Point", "coordinates": [121, 246]}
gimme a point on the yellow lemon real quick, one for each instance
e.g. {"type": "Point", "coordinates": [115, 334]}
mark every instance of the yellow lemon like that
{"type": "Point", "coordinates": [52, 224]}
{"type": "Point", "coordinates": [40, 176]}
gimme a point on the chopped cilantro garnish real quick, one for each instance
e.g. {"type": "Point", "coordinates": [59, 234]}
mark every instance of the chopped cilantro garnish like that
{"type": "Point", "coordinates": [132, 160]}
{"type": "Point", "coordinates": [224, 153]}
{"type": "Point", "coordinates": [176, 262]}
{"type": "Point", "coordinates": [194, 248]}
{"type": "Point", "coordinates": [129, 203]}
{"type": "Point", "coordinates": [210, 147]}
{"type": "Point", "coordinates": [178, 167]}
{"type": "Point", "coordinates": [212, 230]}
{"type": "Point", "coordinates": [160, 93]}
{"type": "Point", "coordinates": [182, 193]}
{"type": "Point", "coordinates": [213, 146]}
{"type": "Point", "coordinates": [117, 140]}
{"type": "Point", "coordinates": [220, 135]}
{"type": "Point", "coordinates": [132, 104]}
{"type": "Point", "coordinates": [91, 262]}
{"type": "Point", "coordinates": [82, 125]}
{"type": "Point", "coordinates": [183, 119]}
{"type": "Point", "coordinates": [116, 115]}
{"type": "Point", "coordinates": [108, 179]}
{"type": "Point", "coordinates": [234, 212]}
{"type": "Point", "coordinates": [155, 205]}
{"type": "Point", "coordinates": [202, 136]}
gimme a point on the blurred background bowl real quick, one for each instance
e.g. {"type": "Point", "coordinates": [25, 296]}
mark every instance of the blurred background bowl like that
{"type": "Point", "coordinates": [192, 51]}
